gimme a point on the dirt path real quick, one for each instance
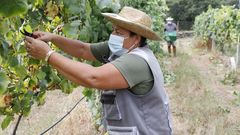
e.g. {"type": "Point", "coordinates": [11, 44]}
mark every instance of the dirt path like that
{"type": "Point", "coordinates": [201, 104]}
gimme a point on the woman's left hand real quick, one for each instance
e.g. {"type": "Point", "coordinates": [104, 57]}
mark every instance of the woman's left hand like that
{"type": "Point", "coordinates": [36, 48]}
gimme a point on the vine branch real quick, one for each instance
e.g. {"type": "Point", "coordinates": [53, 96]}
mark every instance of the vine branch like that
{"type": "Point", "coordinates": [16, 127]}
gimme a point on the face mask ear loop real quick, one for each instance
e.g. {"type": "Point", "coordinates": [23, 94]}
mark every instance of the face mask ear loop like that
{"type": "Point", "coordinates": [130, 49]}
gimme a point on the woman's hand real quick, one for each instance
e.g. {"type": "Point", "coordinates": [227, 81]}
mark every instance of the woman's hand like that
{"type": "Point", "coordinates": [44, 36]}
{"type": "Point", "coordinates": [36, 48]}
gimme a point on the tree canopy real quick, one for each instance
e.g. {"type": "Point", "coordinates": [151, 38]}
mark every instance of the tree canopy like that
{"type": "Point", "coordinates": [185, 10]}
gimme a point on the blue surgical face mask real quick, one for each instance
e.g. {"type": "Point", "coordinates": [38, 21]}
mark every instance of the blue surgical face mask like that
{"type": "Point", "coordinates": [169, 22]}
{"type": "Point", "coordinates": [115, 44]}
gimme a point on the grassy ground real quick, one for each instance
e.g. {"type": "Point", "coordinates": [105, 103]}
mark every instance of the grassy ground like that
{"type": "Point", "coordinates": [201, 105]}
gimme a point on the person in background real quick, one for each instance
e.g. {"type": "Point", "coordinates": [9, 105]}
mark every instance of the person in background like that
{"type": "Point", "coordinates": [171, 35]}
{"type": "Point", "coordinates": [131, 81]}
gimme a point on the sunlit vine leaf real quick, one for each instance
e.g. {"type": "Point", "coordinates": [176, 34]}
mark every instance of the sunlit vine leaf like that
{"type": "Point", "coordinates": [6, 121]}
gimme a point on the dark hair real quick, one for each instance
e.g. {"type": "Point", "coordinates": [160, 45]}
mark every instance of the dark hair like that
{"type": "Point", "coordinates": [143, 41]}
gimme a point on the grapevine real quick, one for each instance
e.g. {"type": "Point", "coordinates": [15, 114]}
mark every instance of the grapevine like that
{"type": "Point", "coordinates": [24, 80]}
{"type": "Point", "coordinates": [221, 24]}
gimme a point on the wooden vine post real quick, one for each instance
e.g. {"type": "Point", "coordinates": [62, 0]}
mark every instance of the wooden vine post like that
{"type": "Point", "coordinates": [238, 53]}
{"type": "Point", "coordinates": [213, 44]}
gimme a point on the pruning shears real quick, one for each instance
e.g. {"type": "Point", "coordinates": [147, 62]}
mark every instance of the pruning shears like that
{"type": "Point", "coordinates": [24, 32]}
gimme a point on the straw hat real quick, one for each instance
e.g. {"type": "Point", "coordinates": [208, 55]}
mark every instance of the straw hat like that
{"type": "Point", "coordinates": [169, 19]}
{"type": "Point", "coordinates": [133, 20]}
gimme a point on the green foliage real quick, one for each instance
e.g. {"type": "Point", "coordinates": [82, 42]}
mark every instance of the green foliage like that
{"type": "Point", "coordinates": [6, 122]}
{"type": "Point", "coordinates": [3, 82]}
{"type": "Point", "coordinates": [23, 80]}
{"type": "Point", "coordinates": [185, 11]}
{"type": "Point", "coordinates": [230, 78]}
{"type": "Point", "coordinates": [169, 77]}
{"type": "Point", "coordinates": [237, 99]}
{"type": "Point", "coordinates": [93, 98]}
{"type": "Point", "coordinates": [221, 24]}
{"type": "Point", "coordinates": [224, 109]}
{"type": "Point", "coordinates": [13, 7]}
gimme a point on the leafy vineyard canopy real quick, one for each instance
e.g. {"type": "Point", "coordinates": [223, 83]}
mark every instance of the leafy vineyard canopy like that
{"type": "Point", "coordinates": [221, 24]}
{"type": "Point", "coordinates": [24, 80]}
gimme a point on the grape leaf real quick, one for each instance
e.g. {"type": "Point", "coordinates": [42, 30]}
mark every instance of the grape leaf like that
{"type": "Point", "coordinates": [72, 6]}
{"type": "Point", "coordinates": [11, 8]}
{"type": "Point", "coordinates": [3, 82]}
{"type": "Point", "coordinates": [71, 30]}
{"type": "Point", "coordinates": [87, 92]}
{"type": "Point", "coordinates": [2, 101]}
{"type": "Point", "coordinates": [85, 34]}
{"type": "Point", "coordinates": [41, 97]}
{"type": "Point", "coordinates": [0, 62]}
{"type": "Point", "coordinates": [54, 77]}
{"type": "Point", "coordinates": [13, 61]}
{"type": "Point", "coordinates": [41, 75]}
{"type": "Point", "coordinates": [51, 9]}
{"type": "Point", "coordinates": [6, 121]}
{"type": "Point", "coordinates": [16, 105]}
{"type": "Point", "coordinates": [21, 71]}
{"type": "Point", "coordinates": [4, 27]}
{"type": "Point", "coordinates": [33, 61]}
{"type": "Point", "coordinates": [5, 47]}
{"type": "Point", "coordinates": [26, 103]}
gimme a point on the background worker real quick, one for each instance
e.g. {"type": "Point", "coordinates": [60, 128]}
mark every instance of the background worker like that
{"type": "Point", "coordinates": [171, 35]}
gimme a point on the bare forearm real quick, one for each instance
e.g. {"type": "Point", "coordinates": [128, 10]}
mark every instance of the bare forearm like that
{"type": "Point", "coordinates": [68, 69]}
{"type": "Point", "coordinates": [71, 78]}
{"type": "Point", "coordinates": [80, 73]}
{"type": "Point", "coordinates": [75, 48]}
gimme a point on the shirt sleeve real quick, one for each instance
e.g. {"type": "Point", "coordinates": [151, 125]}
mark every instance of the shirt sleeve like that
{"type": "Point", "coordinates": [134, 69]}
{"type": "Point", "coordinates": [100, 51]}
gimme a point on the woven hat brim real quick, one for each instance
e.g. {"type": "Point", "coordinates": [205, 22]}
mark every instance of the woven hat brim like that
{"type": "Point", "coordinates": [131, 26]}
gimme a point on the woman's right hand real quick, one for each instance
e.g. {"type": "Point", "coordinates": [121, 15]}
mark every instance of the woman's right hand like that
{"type": "Point", "coordinates": [44, 36]}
